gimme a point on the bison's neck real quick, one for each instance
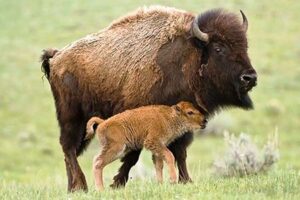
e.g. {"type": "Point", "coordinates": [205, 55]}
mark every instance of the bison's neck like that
{"type": "Point", "coordinates": [170, 60]}
{"type": "Point", "coordinates": [209, 99]}
{"type": "Point", "coordinates": [213, 98]}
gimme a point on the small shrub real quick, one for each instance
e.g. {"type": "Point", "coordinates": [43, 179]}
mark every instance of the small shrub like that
{"type": "Point", "coordinates": [244, 158]}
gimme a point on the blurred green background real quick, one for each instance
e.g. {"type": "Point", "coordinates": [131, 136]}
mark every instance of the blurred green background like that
{"type": "Point", "coordinates": [31, 160]}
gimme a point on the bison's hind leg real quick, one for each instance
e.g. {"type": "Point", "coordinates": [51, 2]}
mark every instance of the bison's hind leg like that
{"type": "Point", "coordinates": [70, 141]}
{"type": "Point", "coordinates": [72, 125]}
{"type": "Point", "coordinates": [129, 160]}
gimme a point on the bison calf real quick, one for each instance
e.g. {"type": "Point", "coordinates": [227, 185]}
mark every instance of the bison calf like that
{"type": "Point", "coordinates": [152, 127]}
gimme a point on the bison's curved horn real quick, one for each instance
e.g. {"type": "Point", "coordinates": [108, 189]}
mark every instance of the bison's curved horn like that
{"type": "Point", "coordinates": [196, 32]}
{"type": "Point", "coordinates": [245, 21]}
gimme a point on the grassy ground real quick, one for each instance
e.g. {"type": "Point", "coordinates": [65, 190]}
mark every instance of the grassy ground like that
{"type": "Point", "coordinates": [31, 160]}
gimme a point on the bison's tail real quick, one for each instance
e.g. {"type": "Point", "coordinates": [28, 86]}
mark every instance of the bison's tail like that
{"type": "Point", "coordinates": [91, 127]}
{"type": "Point", "coordinates": [47, 54]}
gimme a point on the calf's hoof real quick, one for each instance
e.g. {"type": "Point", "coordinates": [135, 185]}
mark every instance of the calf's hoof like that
{"type": "Point", "coordinates": [173, 180]}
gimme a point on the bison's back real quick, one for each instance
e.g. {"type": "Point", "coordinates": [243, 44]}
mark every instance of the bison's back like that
{"type": "Point", "coordinates": [120, 61]}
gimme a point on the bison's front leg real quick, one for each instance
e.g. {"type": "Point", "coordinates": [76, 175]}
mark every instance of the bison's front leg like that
{"type": "Point", "coordinates": [129, 160]}
{"type": "Point", "coordinates": [178, 148]}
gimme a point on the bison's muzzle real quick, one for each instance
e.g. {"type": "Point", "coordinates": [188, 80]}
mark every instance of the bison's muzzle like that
{"type": "Point", "coordinates": [248, 81]}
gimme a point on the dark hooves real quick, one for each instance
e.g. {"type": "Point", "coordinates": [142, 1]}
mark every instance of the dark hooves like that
{"type": "Point", "coordinates": [78, 186]}
{"type": "Point", "coordinates": [117, 185]}
{"type": "Point", "coordinates": [185, 181]}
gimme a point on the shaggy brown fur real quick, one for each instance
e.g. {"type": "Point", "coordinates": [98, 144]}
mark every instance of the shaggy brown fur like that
{"type": "Point", "coordinates": [152, 127]}
{"type": "Point", "coordinates": [147, 57]}
{"type": "Point", "coordinates": [47, 54]}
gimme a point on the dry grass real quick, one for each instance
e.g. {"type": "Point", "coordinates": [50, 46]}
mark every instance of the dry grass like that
{"type": "Point", "coordinates": [243, 157]}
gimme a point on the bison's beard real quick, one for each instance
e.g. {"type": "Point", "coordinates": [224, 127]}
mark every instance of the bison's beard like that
{"type": "Point", "coordinates": [244, 100]}
{"type": "Point", "coordinates": [212, 98]}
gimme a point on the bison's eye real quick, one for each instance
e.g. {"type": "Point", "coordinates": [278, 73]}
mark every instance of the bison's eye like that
{"type": "Point", "coordinates": [218, 50]}
{"type": "Point", "coordinates": [190, 113]}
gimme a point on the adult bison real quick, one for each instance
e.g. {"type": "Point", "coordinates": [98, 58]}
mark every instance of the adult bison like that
{"type": "Point", "coordinates": [156, 55]}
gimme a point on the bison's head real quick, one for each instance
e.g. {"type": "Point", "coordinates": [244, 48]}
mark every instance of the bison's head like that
{"type": "Point", "coordinates": [224, 73]}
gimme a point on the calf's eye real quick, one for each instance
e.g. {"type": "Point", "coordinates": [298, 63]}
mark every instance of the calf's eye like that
{"type": "Point", "coordinates": [190, 113]}
{"type": "Point", "coordinates": [218, 50]}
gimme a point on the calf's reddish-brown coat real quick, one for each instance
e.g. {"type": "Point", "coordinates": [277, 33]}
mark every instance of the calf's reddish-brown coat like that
{"type": "Point", "coordinates": [153, 127]}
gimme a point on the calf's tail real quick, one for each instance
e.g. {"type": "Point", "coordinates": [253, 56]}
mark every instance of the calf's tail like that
{"type": "Point", "coordinates": [91, 127]}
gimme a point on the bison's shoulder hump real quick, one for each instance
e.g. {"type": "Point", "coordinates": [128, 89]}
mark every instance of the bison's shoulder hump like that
{"type": "Point", "coordinates": [153, 12]}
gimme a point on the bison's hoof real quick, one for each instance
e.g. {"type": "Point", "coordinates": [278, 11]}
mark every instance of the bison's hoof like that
{"type": "Point", "coordinates": [118, 183]}
{"type": "Point", "coordinates": [185, 180]}
{"type": "Point", "coordinates": [79, 185]}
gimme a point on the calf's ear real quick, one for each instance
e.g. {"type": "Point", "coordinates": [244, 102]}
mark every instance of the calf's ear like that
{"type": "Point", "coordinates": [177, 108]}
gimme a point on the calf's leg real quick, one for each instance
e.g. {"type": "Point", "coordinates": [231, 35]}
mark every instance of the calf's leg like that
{"type": "Point", "coordinates": [108, 155]}
{"type": "Point", "coordinates": [158, 163]}
{"type": "Point", "coordinates": [160, 150]}
{"type": "Point", "coordinates": [178, 148]}
{"type": "Point", "coordinates": [170, 160]}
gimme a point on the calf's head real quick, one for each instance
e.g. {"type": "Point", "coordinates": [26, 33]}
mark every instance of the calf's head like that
{"type": "Point", "coordinates": [190, 114]}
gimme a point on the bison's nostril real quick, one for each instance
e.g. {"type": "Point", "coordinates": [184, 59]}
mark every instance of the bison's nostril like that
{"type": "Point", "coordinates": [249, 78]}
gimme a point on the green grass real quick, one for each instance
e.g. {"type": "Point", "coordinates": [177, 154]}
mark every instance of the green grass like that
{"type": "Point", "coordinates": [282, 184]}
{"type": "Point", "coordinates": [31, 160]}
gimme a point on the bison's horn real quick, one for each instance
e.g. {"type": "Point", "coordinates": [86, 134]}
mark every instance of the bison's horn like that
{"type": "Point", "coordinates": [196, 32]}
{"type": "Point", "coordinates": [245, 21]}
